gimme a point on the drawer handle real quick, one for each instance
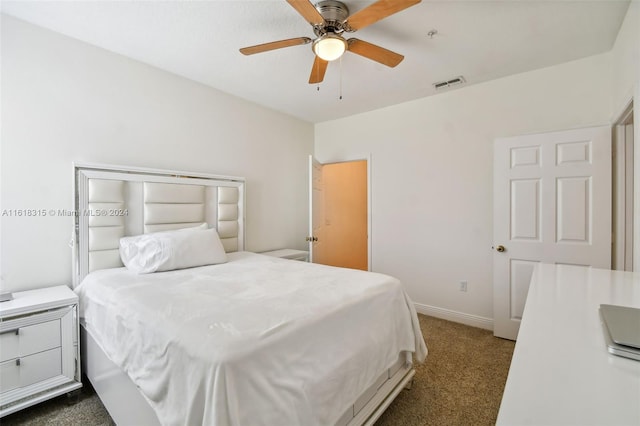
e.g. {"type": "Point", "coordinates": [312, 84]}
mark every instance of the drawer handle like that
{"type": "Point", "coordinates": [15, 330]}
{"type": "Point", "coordinates": [18, 362]}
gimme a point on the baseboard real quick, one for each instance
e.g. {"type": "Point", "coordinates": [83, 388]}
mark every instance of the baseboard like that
{"type": "Point", "coordinates": [460, 317]}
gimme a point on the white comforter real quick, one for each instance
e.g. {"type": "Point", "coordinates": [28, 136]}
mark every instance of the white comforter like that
{"type": "Point", "coordinates": [256, 341]}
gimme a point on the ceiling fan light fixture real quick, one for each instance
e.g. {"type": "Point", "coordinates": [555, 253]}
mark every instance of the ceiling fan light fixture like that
{"type": "Point", "coordinates": [329, 46]}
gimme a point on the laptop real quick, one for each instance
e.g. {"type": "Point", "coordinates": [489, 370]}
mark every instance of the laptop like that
{"type": "Point", "coordinates": [621, 326]}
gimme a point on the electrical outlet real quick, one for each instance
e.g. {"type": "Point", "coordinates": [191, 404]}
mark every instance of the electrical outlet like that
{"type": "Point", "coordinates": [463, 286]}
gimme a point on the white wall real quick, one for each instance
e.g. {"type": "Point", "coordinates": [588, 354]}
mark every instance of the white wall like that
{"type": "Point", "coordinates": [65, 101]}
{"type": "Point", "coordinates": [625, 60]}
{"type": "Point", "coordinates": [432, 174]}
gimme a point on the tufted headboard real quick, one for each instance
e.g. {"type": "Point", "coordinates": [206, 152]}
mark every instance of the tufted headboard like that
{"type": "Point", "coordinates": [112, 202]}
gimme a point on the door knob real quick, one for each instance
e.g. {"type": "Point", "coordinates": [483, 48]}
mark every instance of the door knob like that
{"type": "Point", "coordinates": [500, 249]}
{"type": "Point", "coordinates": [311, 239]}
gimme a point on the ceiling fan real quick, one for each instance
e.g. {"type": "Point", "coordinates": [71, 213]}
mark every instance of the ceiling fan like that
{"type": "Point", "coordinates": [330, 19]}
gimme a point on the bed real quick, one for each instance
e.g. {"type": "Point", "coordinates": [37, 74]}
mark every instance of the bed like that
{"type": "Point", "coordinates": [247, 340]}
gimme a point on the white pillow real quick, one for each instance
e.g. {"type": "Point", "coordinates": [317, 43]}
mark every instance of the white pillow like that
{"type": "Point", "coordinates": [169, 250]}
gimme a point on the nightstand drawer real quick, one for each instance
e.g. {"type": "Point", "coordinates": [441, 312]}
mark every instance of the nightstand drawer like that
{"type": "Point", "coordinates": [9, 376]}
{"type": "Point", "coordinates": [29, 339]}
{"type": "Point", "coordinates": [25, 371]}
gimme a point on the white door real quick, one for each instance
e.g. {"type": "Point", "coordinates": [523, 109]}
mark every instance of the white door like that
{"type": "Point", "coordinates": [552, 204]}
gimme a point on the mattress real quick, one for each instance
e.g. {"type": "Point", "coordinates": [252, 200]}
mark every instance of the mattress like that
{"type": "Point", "coordinates": [255, 341]}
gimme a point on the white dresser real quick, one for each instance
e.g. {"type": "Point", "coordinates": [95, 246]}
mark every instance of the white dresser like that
{"type": "Point", "coordinates": [561, 372]}
{"type": "Point", "coordinates": [39, 351]}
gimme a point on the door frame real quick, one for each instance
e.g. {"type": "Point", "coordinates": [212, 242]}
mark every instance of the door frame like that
{"type": "Point", "coordinates": [366, 158]}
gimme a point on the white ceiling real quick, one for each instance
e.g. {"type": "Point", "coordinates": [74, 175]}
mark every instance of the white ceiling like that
{"type": "Point", "coordinates": [481, 40]}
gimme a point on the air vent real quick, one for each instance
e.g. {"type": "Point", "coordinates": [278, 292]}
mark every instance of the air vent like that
{"type": "Point", "coordinates": [449, 83]}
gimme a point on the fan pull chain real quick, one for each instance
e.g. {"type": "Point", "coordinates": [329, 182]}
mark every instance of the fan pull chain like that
{"type": "Point", "coordinates": [340, 77]}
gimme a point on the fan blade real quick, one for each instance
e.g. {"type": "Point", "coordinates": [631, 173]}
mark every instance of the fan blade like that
{"type": "Point", "coordinates": [318, 70]}
{"type": "Point", "coordinates": [375, 53]}
{"type": "Point", "coordinates": [259, 48]}
{"type": "Point", "coordinates": [377, 11]}
{"type": "Point", "coordinates": [308, 11]}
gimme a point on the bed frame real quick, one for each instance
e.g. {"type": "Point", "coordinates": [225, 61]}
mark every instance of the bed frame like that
{"type": "Point", "coordinates": [112, 202]}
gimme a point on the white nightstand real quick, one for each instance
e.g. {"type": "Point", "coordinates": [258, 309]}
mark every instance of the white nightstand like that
{"type": "Point", "coordinates": [39, 351]}
{"type": "Point", "coordinates": [289, 254]}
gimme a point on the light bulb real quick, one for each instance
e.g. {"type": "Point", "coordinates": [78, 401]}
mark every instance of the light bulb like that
{"type": "Point", "coordinates": [329, 47]}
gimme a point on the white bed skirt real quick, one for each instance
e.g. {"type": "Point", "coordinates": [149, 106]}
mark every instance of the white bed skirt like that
{"type": "Point", "coordinates": [127, 406]}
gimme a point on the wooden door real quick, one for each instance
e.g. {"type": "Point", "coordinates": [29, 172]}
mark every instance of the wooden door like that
{"type": "Point", "coordinates": [552, 204]}
{"type": "Point", "coordinates": [339, 214]}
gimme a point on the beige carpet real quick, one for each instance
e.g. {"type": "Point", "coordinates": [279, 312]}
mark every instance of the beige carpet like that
{"type": "Point", "coordinates": [84, 409]}
{"type": "Point", "coordinates": [461, 383]}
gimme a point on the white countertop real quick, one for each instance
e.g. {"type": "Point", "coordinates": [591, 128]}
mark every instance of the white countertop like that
{"type": "Point", "coordinates": [561, 372]}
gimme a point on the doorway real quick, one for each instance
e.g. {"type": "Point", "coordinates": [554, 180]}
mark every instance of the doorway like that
{"type": "Point", "coordinates": [622, 193]}
{"type": "Point", "coordinates": [339, 214]}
